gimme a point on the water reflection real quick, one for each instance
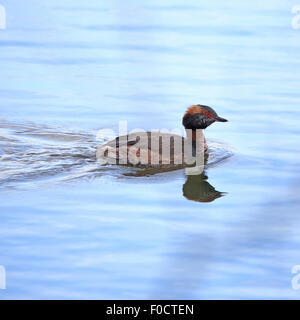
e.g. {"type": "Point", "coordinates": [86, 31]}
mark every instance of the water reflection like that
{"type": "Point", "coordinates": [197, 188]}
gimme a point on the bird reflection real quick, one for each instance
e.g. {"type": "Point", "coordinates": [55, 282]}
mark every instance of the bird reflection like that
{"type": "Point", "coordinates": [197, 188]}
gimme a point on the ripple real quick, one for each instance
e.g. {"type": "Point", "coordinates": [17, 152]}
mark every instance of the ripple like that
{"type": "Point", "coordinates": [31, 154]}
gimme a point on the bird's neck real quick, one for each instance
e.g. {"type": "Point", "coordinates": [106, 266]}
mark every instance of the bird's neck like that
{"type": "Point", "coordinates": [196, 137]}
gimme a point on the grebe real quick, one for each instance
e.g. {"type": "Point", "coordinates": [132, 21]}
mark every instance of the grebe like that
{"type": "Point", "coordinates": [158, 149]}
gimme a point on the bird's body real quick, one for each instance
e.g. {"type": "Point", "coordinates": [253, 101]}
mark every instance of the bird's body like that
{"type": "Point", "coordinates": [160, 149]}
{"type": "Point", "coordinates": [150, 148]}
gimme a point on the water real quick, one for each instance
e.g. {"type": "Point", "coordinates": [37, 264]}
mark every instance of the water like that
{"type": "Point", "coordinates": [70, 229]}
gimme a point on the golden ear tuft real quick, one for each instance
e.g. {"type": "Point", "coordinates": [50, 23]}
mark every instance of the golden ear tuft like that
{"type": "Point", "coordinates": [194, 109]}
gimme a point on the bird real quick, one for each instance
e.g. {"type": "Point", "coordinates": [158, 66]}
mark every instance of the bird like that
{"type": "Point", "coordinates": [161, 149]}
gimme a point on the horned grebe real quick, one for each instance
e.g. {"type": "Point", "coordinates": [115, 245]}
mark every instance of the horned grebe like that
{"type": "Point", "coordinates": [161, 149]}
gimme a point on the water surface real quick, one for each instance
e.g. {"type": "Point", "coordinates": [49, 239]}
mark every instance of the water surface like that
{"type": "Point", "coordinates": [69, 229]}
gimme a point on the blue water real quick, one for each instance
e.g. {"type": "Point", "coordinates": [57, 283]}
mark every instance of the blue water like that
{"type": "Point", "coordinates": [69, 229]}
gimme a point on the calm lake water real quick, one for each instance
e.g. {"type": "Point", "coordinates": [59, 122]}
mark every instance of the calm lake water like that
{"type": "Point", "coordinates": [72, 229]}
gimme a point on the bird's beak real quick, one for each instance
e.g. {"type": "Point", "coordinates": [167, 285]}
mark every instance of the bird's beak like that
{"type": "Point", "coordinates": [217, 118]}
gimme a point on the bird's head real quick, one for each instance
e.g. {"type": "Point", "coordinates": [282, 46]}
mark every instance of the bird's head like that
{"type": "Point", "coordinates": [200, 117]}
